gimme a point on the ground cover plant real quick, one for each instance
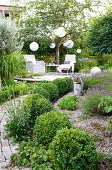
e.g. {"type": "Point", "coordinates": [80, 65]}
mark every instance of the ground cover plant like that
{"type": "Point", "coordinates": [69, 103]}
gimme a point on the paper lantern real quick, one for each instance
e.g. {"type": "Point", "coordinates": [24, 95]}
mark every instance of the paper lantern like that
{"type": "Point", "coordinates": [52, 45]}
{"type": "Point", "coordinates": [78, 50]}
{"type": "Point", "coordinates": [69, 44]}
{"type": "Point", "coordinates": [60, 32]}
{"type": "Point", "coordinates": [34, 46]}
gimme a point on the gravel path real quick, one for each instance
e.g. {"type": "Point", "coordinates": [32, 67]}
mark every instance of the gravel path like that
{"type": "Point", "coordinates": [94, 125]}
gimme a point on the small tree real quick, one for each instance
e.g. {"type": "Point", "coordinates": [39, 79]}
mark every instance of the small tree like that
{"type": "Point", "coordinates": [100, 34]}
{"type": "Point", "coordinates": [9, 43]}
{"type": "Point", "coordinates": [48, 15]}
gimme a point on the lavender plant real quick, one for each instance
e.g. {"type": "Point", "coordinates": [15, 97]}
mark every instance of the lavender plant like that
{"type": "Point", "coordinates": [98, 98]}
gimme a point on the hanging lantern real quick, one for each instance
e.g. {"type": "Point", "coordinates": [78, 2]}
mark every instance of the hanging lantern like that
{"type": "Point", "coordinates": [60, 32]}
{"type": "Point", "coordinates": [78, 50]}
{"type": "Point", "coordinates": [34, 46]}
{"type": "Point", "coordinates": [52, 45]}
{"type": "Point", "coordinates": [69, 44]}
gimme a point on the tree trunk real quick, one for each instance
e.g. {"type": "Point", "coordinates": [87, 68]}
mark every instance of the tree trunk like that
{"type": "Point", "coordinates": [57, 54]}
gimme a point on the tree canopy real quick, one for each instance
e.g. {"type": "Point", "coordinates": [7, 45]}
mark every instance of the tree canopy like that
{"type": "Point", "coordinates": [8, 36]}
{"type": "Point", "coordinates": [11, 60]}
{"type": "Point", "coordinates": [43, 17]}
{"type": "Point", "coordinates": [100, 34]}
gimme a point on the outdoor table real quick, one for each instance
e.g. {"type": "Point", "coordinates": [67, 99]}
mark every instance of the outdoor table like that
{"type": "Point", "coordinates": [51, 65]}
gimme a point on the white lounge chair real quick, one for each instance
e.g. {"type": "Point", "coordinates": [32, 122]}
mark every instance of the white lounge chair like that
{"type": "Point", "coordinates": [70, 60]}
{"type": "Point", "coordinates": [33, 65]}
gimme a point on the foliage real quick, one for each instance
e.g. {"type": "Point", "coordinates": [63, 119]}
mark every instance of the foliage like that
{"type": "Point", "coordinates": [69, 103]}
{"type": "Point", "coordinates": [8, 83]}
{"type": "Point", "coordinates": [73, 149]}
{"type": "Point", "coordinates": [52, 90]}
{"type": "Point", "coordinates": [41, 91]}
{"type": "Point", "coordinates": [37, 105]}
{"type": "Point", "coordinates": [47, 125]}
{"type": "Point", "coordinates": [90, 104]}
{"type": "Point", "coordinates": [109, 124]}
{"type": "Point", "coordinates": [25, 150]}
{"type": "Point", "coordinates": [17, 123]}
{"type": "Point", "coordinates": [89, 81]}
{"type": "Point", "coordinates": [50, 15]}
{"type": "Point", "coordinates": [105, 104]}
{"type": "Point", "coordinates": [100, 31]}
{"type": "Point", "coordinates": [85, 63]}
{"type": "Point", "coordinates": [12, 91]}
{"type": "Point", "coordinates": [9, 36]}
{"type": "Point", "coordinates": [31, 155]}
{"type": "Point", "coordinates": [11, 65]}
{"type": "Point", "coordinates": [64, 85]}
{"type": "Point", "coordinates": [25, 74]}
{"type": "Point", "coordinates": [40, 159]}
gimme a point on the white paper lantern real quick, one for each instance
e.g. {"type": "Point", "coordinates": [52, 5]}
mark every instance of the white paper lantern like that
{"type": "Point", "coordinates": [34, 46]}
{"type": "Point", "coordinates": [69, 44]}
{"type": "Point", "coordinates": [52, 45]}
{"type": "Point", "coordinates": [95, 70]}
{"type": "Point", "coordinates": [60, 32]}
{"type": "Point", "coordinates": [78, 50]}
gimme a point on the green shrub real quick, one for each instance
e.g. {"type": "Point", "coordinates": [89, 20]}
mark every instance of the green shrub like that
{"type": "Point", "coordinates": [73, 149]}
{"type": "Point", "coordinates": [12, 91]}
{"type": "Point", "coordinates": [97, 104]}
{"type": "Point", "coordinates": [41, 91]}
{"type": "Point", "coordinates": [17, 122]}
{"type": "Point", "coordinates": [64, 85]}
{"type": "Point", "coordinates": [4, 95]}
{"type": "Point", "coordinates": [51, 89]}
{"type": "Point", "coordinates": [89, 81]}
{"type": "Point", "coordinates": [69, 103]}
{"type": "Point", "coordinates": [90, 104]}
{"type": "Point", "coordinates": [47, 125]}
{"type": "Point", "coordinates": [28, 74]}
{"type": "Point", "coordinates": [37, 105]}
{"type": "Point", "coordinates": [21, 117]}
{"type": "Point", "coordinates": [9, 83]}
{"type": "Point", "coordinates": [69, 83]}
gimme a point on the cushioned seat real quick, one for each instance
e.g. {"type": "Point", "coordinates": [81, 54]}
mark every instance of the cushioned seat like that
{"type": "Point", "coordinates": [33, 65]}
{"type": "Point", "coordinates": [70, 60]}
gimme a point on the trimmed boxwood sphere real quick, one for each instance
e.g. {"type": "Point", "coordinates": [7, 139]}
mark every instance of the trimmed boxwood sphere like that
{"type": "Point", "coordinates": [64, 85]}
{"type": "Point", "coordinates": [73, 149]}
{"type": "Point", "coordinates": [37, 105]}
{"type": "Point", "coordinates": [47, 125]}
{"type": "Point", "coordinates": [52, 89]}
{"type": "Point", "coordinates": [41, 91]}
